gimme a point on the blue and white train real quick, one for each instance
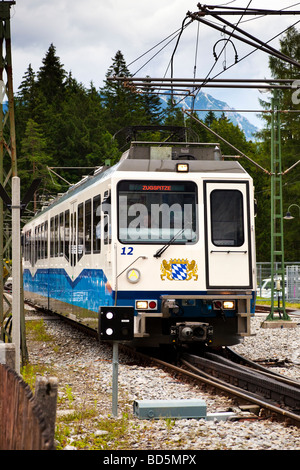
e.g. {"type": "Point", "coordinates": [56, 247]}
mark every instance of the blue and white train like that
{"type": "Point", "coordinates": [168, 230]}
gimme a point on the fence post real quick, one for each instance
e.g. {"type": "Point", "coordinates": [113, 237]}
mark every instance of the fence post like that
{"type": "Point", "coordinates": [8, 355]}
{"type": "Point", "coordinates": [46, 398]}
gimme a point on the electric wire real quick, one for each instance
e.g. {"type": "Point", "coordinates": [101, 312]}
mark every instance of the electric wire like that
{"type": "Point", "coordinates": [178, 33]}
{"type": "Point", "coordinates": [226, 42]}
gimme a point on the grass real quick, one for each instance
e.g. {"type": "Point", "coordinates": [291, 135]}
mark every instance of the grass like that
{"type": "Point", "coordinates": [108, 433]}
{"type": "Point", "coordinates": [37, 331]}
{"type": "Point", "coordinates": [261, 301]}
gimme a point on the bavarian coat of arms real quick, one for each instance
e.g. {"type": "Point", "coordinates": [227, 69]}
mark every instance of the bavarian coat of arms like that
{"type": "Point", "coordinates": [179, 270]}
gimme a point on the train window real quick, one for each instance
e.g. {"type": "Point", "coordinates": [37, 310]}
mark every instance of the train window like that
{"type": "Point", "coordinates": [80, 231]}
{"type": "Point", "coordinates": [42, 241]}
{"type": "Point", "coordinates": [73, 239]}
{"type": "Point", "coordinates": [35, 244]}
{"type": "Point", "coordinates": [97, 224]}
{"type": "Point", "coordinates": [27, 245]}
{"type": "Point", "coordinates": [88, 226]}
{"type": "Point", "coordinates": [155, 212]}
{"type": "Point", "coordinates": [106, 229]}
{"type": "Point", "coordinates": [67, 234]}
{"type": "Point", "coordinates": [61, 235]}
{"type": "Point", "coordinates": [56, 235]}
{"type": "Point", "coordinates": [32, 248]}
{"type": "Point", "coordinates": [46, 239]}
{"type": "Point", "coordinates": [227, 217]}
{"type": "Point", "coordinates": [52, 237]}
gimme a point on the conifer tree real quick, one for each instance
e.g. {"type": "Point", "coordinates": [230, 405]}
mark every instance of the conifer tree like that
{"type": "Point", "coordinates": [151, 104]}
{"type": "Point", "coordinates": [26, 88]}
{"type": "Point", "coordinates": [173, 114]}
{"type": "Point", "coordinates": [51, 77]}
{"type": "Point", "coordinates": [33, 159]}
{"type": "Point", "coordinates": [123, 106]}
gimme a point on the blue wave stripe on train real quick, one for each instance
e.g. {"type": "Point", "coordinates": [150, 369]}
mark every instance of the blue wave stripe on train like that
{"type": "Point", "coordinates": [88, 290]}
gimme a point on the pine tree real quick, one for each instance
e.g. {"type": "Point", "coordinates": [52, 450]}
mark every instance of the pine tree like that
{"type": "Point", "coordinates": [27, 86]}
{"type": "Point", "coordinates": [51, 77]}
{"type": "Point", "coordinates": [33, 159]}
{"type": "Point", "coordinates": [173, 114]}
{"type": "Point", "coordinates": [123, 106]}
{"type": "Point", "coordinates": [210, 118]}
{"type": "Point", "coordinates": [151, 104]}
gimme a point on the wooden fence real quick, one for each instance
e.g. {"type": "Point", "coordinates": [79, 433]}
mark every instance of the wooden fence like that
{"type": "Point", "coordinates": [23, 425]}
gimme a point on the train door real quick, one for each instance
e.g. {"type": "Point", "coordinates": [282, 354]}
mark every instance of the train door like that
{"type": "Point", "coordinates": [228, 248]}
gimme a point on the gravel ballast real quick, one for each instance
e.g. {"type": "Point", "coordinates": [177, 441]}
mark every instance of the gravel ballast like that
{"type": "Point", "coordinates": [84, 371]}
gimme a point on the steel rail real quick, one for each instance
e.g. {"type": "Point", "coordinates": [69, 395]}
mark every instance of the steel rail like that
{"type": "Point", "coordinates": [245, 394]}
{"type": "Point", "coordinates": [194, 374]}
{"type": "Point", "coordinates": [263, 370]}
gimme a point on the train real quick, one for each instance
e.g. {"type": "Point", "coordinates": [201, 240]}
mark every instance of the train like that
{"type": "Point", "coordinates": [167, 232]}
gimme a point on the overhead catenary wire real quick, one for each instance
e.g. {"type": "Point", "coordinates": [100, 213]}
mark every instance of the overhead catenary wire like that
{"type": "Point", "coordinates": [177, 88]}
{"type": "Point", "coordinates": [179, 31]}
{"type": "Point", "coordinates": [224, 46]}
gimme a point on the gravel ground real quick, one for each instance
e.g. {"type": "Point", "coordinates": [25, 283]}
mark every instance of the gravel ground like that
{"type": "Point", "coordinates": [84, 371]}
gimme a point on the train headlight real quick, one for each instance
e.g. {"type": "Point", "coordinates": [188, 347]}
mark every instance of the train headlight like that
{"type": "Point", "coordinates": [228, 304]}
{"type": "Point", "coordinates": [224, 304]}
{"type": "Point", "coordinates": [182, 167]}
{"type": "Point", "coordinates": [133, 275]}
{"type": "Point", "coordinates": [141, 304]}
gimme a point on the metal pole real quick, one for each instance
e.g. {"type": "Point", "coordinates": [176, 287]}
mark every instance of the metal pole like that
{"type": "Point", "coordinates": [115, 378]}
{"type": "Point", "coordinates": [277, 238]}
{"type": "Point", "coordinates": [16, 269]}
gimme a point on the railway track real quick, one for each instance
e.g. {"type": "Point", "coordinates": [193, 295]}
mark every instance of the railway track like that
{"type": "Point", "coordinates": [236, 376]}
{"type": "Point", "coordinates": [269, 394]}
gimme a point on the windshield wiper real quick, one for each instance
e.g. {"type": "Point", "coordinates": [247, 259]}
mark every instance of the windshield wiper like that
{"type": "Point", "coordinates": [162, 249]}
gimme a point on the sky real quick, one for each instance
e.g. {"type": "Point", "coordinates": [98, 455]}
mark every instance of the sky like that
{"type": "Point", "coordinates": [87, 34]}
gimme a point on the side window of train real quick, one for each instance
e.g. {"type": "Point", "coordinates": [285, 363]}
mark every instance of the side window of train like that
{"type": "Point", "coordinates": [46, 239]}
{"type": "Point", "coordinates": [61, 235]}
{"type": "Point", "coordinates": [97, 224]}
{"type": "Point", "coordinates": [52, 237]}
{"type": "Point", "coordinates": [73, 246]}
{"type": "Point", "coordinates": [56, 236]}
{"type": "Point", "coordinates": [88, 226]}
{"type": "Point", "coordinates": [35, 244]}
{"type": "Point", "coordinates": [32, 248]}
{"type": "Point", "coordinates": [42, 241]}
{"type": "Point", "coordinates": [27, 245]}
{"type": "Point", "coordinates": [67, 235]}
{"type": "Point", "coordinates": [227, 225]}
{"type": "Point", "coordinates": [80, 231]}
{"type": "Point", "coordinates": [106, 208]}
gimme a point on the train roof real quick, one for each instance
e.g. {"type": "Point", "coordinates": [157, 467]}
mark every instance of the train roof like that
{"type": "Point", "coordinates": [158, 157]}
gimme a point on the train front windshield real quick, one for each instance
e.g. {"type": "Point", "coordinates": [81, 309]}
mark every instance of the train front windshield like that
{"type": "Point", "coordinates": [155, 212]}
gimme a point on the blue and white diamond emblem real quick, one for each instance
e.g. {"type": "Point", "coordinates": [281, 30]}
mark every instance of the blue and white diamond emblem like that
{"type": "Point", "coordinates": [179, 272]}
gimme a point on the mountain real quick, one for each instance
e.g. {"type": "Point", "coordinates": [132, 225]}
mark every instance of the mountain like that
{"type": "Point", "coordinates": [208, 102]}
